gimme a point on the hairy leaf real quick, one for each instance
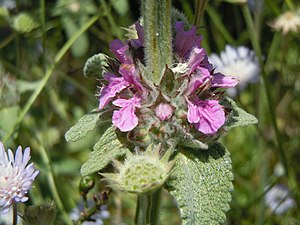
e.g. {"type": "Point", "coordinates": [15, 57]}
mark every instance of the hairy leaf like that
{"type": "Point", "coordinates": [106, 149]}
{"type": "Point", "coordinates": [237, 117]}
{"type": "Point", "coordinates": [87, 123]}
{"type": "Point", "coordinates": [96, 65]}
{"type": "Point", "coordinates": [201, 182]}
{"type": "Point", "coordinates": [168, 83]}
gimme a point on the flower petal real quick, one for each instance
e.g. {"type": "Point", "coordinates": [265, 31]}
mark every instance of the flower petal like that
{"type": "Point", "coordinates": [222, 81]}
{"type": "Point", "coordinates": [108, 92]}
{"type": "Point", "coordinates": [196, 57]}
{"type": "Point", "coordinates": [212, 116]}
{"type": "Point", "coordinates": [125, 118]}
{"type": "Point", "coordinates": [185, 40]}
{"type": "Point", "coordinates": [121, 51]}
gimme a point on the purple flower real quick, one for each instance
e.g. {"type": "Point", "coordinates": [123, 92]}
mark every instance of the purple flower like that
{"type": "Point", "coordinates": [128, 72]}
{"type": "Point", "coordinates": [278, 199]}
{"type": "Point", "coordinates": [16, 177]}
{"type": "Point", "coordinates": [185, 40]}
{"type": "Point", "coordinates": [200, 78]}
{"type": "Point", "coordinates": [196, 57]}
{"type": "Point", "coordinates": [140, 33]}
{"type": "Point", "coordinates": [121, 51]}
{"type": "Point", "coordinates": [208, 115]}
{"type": "Point", "coordinates": [221, 81]}
{"type": "Point", "coordinates": [125, 118]}
{"type": "Point", "coordinates": [200, 92]}
{"type": "Point", "coordinates": [163, 111]}
{"type": "Point", "coordinates": [116, 84]}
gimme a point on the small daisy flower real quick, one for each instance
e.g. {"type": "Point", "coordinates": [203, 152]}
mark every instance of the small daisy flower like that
{"type": "Point", "coordinates": [288, 21]}
{"type": "Point", "coordinates": [278, 199]}
{"type": "Point", "coordinates": [16, 177]}
{"type": "Point", "coordinates": [238, 62]}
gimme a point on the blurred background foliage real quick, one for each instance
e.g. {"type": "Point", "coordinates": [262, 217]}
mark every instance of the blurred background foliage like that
{"type": "Point", "coordinates": [43, 48]}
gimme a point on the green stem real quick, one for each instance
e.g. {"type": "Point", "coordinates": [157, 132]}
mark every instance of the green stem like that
{"type": "Point", "coordinates": [200, 7]}
{"type": "Point", "coordinates": [15, 213]}
{"type": "Point", "coordinates": [216, 19]}
{"type": "Point", "coordinates": [147, 210]}
{"type": "Point", "coordinates": [290, 4]}
{"type": "Point", "coordinates": [43, 24]}
{"type": "Point", "coordinates": [49, 73]}
{"type": "Point", "coordinates": [52, 185]}
{"type": "Point", "coordinates": [154, 208]}
{"type": "Point", "coordinates": [142, 208]}
{"type": "Point", "coordinates": [158, 37]}
{"type": "Point", "coordinates": [257, 49]}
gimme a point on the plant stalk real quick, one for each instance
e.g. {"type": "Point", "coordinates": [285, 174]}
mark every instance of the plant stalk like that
{"type": "Point", "coordinates": [158, 37]}
{"type": "Point", "coordinates": [155, 206]}
{"type": "Point", "coordinates": [257, 49]}
{"type": "Point", "coordinates": [199, 11]}
{"type": "Point", "coordinates": [142, 210]}
{"type": "Point", "coordinates": [15, 213]}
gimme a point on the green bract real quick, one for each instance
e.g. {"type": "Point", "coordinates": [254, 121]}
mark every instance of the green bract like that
{"type": "Point", "coordinates": [140, 173]}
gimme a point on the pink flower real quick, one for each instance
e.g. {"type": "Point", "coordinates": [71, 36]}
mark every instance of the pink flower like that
{"type": "Point", "coordinates": [116, 84]}
{"type": "Point", "coordinates": [121, 51]}
{"type": "Point", "coordinates": [185, 40]}
{"type": "Point", "coordinates": [207, 115]}
{"type": "Point", "coordinates": [222, 81]}
{"type": "Point", "coordinates": [128, 72]}
{"type": "Point", "coordinates": [196, 57]}
{"type": "Point", "coordinates": [163, 111]}
{"type": "Point", "coordinates": [201, 77]}
{"type": "Point", "coordinates": [125, 118]}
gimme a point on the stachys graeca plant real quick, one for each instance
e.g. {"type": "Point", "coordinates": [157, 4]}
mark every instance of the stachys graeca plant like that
{"type": "Point", "coordinates": [162, 108]}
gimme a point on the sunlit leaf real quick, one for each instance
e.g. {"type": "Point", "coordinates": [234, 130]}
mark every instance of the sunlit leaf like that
{"type": "Point", "coordinates": [87, 123]}
{"type": "Point", "coordinates": [237, 117]}
{"type": "Point", "coordinates": [107, 148]}
{"type": "Point", "coordinates": [201, 183]}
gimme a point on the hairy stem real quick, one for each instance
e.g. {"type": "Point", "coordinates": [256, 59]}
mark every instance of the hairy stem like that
{"type": "Point", "coordinates": [158, 37]}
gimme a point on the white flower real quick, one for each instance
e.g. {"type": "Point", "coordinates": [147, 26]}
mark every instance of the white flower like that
{"type": "Point", "coordinates": [239, 62]}
{"type": "Point", "coordinates": [97, 217]}
{"type": "Point", "coordinates": [278, 199]}
{"type": "Point", "coordinates": [16, 177]}
{"type": "Point", "coordinates": [288, 21]}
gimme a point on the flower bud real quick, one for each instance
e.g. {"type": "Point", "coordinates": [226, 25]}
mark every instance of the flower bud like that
{"type": "Point", "coordinates": [86, 184]}
{"type": "Point", "coordinates": [163, 111]}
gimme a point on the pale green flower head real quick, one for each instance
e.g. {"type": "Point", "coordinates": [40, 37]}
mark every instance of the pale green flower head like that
{"type": "Point", "coordinates": [142, 172]}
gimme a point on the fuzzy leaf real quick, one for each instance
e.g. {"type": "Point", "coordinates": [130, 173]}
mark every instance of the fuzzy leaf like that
{"type": "Point", "coordinates": [106, 149]}
{"type": "Point", "coordinates": [238, 117]}
{"type": "Point", "coordinates": [96, 65]}
{"type": "Point", "coordinates": [201, 182]}
{"type": "Point", "coordinates": [87, 123]}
